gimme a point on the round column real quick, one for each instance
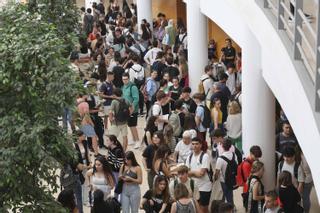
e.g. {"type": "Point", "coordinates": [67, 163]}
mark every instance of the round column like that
{"type": "Point", "coordinates": [258, 109]}
{"type": "Point", "coordinates": [197, 43]}
{"type": "Point", "coordinates": [144, 10]}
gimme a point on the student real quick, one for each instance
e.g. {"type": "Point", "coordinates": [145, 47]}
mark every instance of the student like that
{"type": "Point", "coordinates": [183, 178]}
{"type": "Point", "coordinates": [199, 165]}
{"type": "Point", "coordinates": [151, 127]}
{"type": "Point", "coordinates": [256, 188]}
{"type": "Point", "coordinates": [290, 164]}
{"type": "Point", "coordinates": [118, 126]}
{"type": "Point", "coordinates": [115, 155]}
{"type": "Point", "coordinates": [221, 168]}
{"type": "Point", "coordinates": [156, 109]}
{"type": "Point", "coordinates": [131, 175]}
{"type": "Point", "coordinates": [148, 155]}
{"type": "Point", "coordinates": [131, 94]}
{"type": "Point", "coordinates": [106, 92]}
{"type": "Point", "coordinates": [160, 161]}
{"type": "Point", "coordinates": [288, 194]}
{"type": "Point", "coordinates": [271, 204]}
{"type": "Point", "coordinates": [200, 116]}
{"type": "Point", "coordinates": [101, 177]}
{"type": "Point", "coordinates": [188, 103]}
{"type": "Point", "coordinates": [99, 205]}
{"type": "Point", "coordinates": [156, 200]}
{"type": "Point", "coordinates": [174, 91]}
{"type": "Point", "coordinates": [184, 203]}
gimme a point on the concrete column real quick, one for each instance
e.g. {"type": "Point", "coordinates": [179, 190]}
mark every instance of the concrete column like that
{"type": "Point", "coordinates": [144, 10]}
{"type": "Point", "coordinates": [258, 109]}
{"type": "Point", "coordinates": [197, 42]}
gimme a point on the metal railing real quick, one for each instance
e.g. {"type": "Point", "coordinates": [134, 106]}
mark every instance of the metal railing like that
{"type": "Point", "coordinates": [305, 37]}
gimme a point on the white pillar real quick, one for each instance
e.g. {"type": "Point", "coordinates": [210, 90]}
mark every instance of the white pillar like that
{"type": "Point", "coordinates": [258, 109]}
{"type": "Point", "coordinates": [197, 42]}
{"type": "Point", "coordinates": [144, 10]}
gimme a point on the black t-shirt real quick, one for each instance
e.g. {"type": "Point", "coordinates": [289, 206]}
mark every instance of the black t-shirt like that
{"type": "Point", "coordinates": [92, 104]}
{"type": "Point", "coordinates": [290, 198]}
{"type": "Point", "coordinates": [228, 52]}
{"type": "Point", "coordinates": [149, 154]}
{"type": "Point", "coordinates": [157, 199]}
{"type": "Point", "coordinates": [107, 89]}
{"type": "Point", "coordinates": [190, 105]}
{"type": "Point", "coordinates": [282, 141]}
{"type": "Point", "coordinates": [118, 71]}
{"type": "Point", "coordinates": [175, 92]}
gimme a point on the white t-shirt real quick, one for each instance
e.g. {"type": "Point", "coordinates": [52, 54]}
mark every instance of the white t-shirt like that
{"type": "Point", "coordinates": [151, 55]}
{"type": "Point", "coordinates": [184, 151]}
{"type": "Point", "coordinates": [204, 184]}
{"type": "Point", "coordinates": [290, 168]}
{"type": "Point", "coordinates": [222, 164]}
{"type": "Point", "coordinates": [157, 111]}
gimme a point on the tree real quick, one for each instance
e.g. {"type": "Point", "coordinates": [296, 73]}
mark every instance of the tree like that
{"type": "Point", "coordinates": [36, 83]}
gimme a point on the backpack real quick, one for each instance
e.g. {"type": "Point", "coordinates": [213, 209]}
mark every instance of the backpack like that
{"type": "Point", "coordinates": [67, 178]}
{"type": "Point", "coordinates": [231, 172]}
{"type": "Point", "coordinates": [175, 183]}
{"type": "Point", "coordinates": [201, 87]}
{"type": "Point", "coordinates": [241, 179]}
{"type": "Point", "coordinates": [143, 90]}
{"type": "Point", "coordinates": [123, 113]}
{"type": "Point", "coordinates": [174, 121]}
{"type": "Point", "coordinates": [206, 117]}
{"type": "Point", "coordinates": [210, 172]}
{"type": "Point", "coordinates": [178, 43]}
{"type": "Point", "coordinates": [186, 208]}
{"type": "Point", "coordinates": [138, 81]}
{"type": "Point", "coordinates": [295, 170]}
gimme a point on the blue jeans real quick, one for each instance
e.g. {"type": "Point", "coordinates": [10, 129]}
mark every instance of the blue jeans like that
{"type": "Point", "coordinates": [227, 193]}
{"type": "Point", "coordinates": [307, 187]}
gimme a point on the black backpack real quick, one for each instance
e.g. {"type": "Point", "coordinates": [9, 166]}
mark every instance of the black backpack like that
{"type": "Point", "coordinates": [123, 113]}
{"type": "Point", "coordinates": [231, 172]}
{"type": "Point", "coordinates": [207, 117]}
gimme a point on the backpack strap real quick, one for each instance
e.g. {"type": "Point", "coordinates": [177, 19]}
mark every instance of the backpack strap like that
{"type": "Point", "coordinates": [226, 159]}
{"type": "Point", "coordinates": [295, 170]}
{"type": "Point", "coordinates": [175, 183]}
{"type": "Point", "coordinates": [281, 165]}
{"type": "Point", "coordinates": [190, 157]}
{"type": "Point", "coordinates": [201, 157]}
{"type": "Point", "coordinates": [192, 185]}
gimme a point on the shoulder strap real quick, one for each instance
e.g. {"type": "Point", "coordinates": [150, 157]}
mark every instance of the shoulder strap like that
{"type": "Point", "coordinates": [201, 156]}
{"type": "Point", "coordinates": [295, 170]}
{"type": "Point", "coordinates": [192, 185]}
{"type": "Point", "coordinates": [225, 158]}
{"type": "Point", "coordinates": [281, 165]}
{"type": "Point", "coordinates": [190, 157]}
{"type": "Point", "coordinates": [185, 35]}
{"type": "Point", "coordinates": [175, 183]}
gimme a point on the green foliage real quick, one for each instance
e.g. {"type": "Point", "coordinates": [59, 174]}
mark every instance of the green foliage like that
{"type": "Point", "coordinates": [36, 83]}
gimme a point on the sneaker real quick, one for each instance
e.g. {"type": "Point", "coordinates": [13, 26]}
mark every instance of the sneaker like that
{"type": "Point", "coordinates": [137, 145]}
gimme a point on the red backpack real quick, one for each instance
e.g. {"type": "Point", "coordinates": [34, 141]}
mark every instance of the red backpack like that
{"type": "Point", "coordinates": [241, 179]}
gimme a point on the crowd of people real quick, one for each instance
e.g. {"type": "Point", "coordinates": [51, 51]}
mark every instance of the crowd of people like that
{"type": "Point", "coordinates": [192, 145]}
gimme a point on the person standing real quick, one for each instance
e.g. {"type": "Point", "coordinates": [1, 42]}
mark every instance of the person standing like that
{"type": "Point", "coordinates": [131, 175]}
{"type": "Point", "coordinates": [151, 89]}
{"type": "Point", "coordinates": [228, 52]}
{"type": "Point", "coordinates": [131, 94]}
{"type": "Point", "coordinates": [106, 92]}
{"type": "Point", "coordinates": [118, 123]}
{"type": "Point", "coordinates": [199, 165]}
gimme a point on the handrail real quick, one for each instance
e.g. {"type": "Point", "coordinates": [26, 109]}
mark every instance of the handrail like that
{"type": "Point", "coordinates": [304, 36]}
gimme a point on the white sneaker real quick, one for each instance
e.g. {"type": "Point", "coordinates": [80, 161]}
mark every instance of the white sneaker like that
{"type": "Point", "coordinates": [137, 145]}
{"type": "Point", "coordinates": [130, 143]}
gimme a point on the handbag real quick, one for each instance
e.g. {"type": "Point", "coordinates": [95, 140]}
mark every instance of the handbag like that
{"type": "Point", "coordinates": [119, 187]}
{"type": "Point", "coordinates": [216, 192]}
